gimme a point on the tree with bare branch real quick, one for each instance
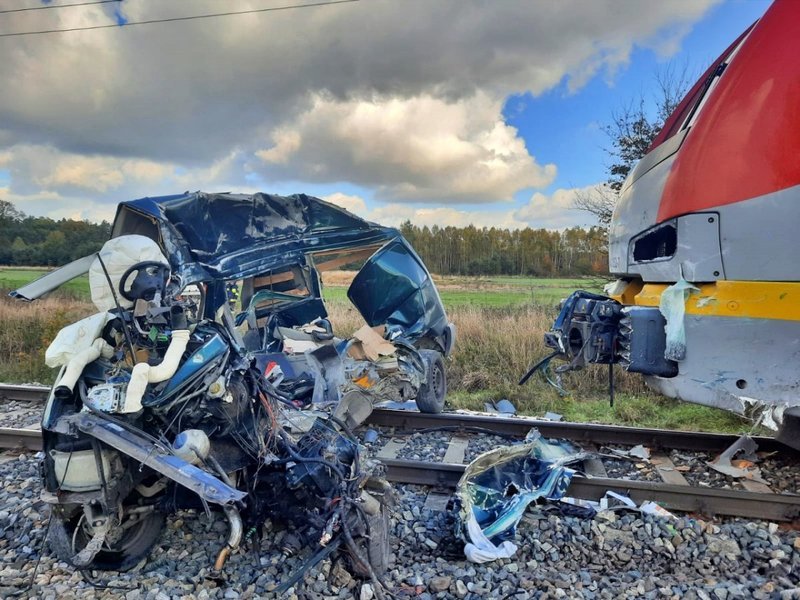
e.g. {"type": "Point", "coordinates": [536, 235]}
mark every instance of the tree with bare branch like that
{"type": "Point", "coordinates": [631, 131]}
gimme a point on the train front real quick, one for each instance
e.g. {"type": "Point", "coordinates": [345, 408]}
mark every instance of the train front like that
{"type": "Point", "coordinates": [704, 243]}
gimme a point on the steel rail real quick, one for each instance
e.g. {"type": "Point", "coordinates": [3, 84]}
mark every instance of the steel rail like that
{"type": "Point", "coordinates": [25, 393]}
{"type": "Point", "coordinates": [30, 439]}
{"type": "Point", "coordinates": [705, 501]}
{"type": "Point", "coordinates": [588, 433]}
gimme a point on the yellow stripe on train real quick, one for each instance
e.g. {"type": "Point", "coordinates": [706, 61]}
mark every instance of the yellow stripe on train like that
{"type": "Point", "coordinates": [778, 300]}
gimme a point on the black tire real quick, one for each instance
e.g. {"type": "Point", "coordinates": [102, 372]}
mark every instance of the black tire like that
{"type": "Point", "coordinates": [374, 548]}
{"type": "Point", "coordinates": [124, 554]}
{"type": "Point", "coordinates": [432, 393]}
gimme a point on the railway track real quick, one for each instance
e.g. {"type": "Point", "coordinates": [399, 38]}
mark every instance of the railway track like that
{"type": "Point", "coordinates": [673, 492]}
{"type": "Point", "coordinates": [23, 393]}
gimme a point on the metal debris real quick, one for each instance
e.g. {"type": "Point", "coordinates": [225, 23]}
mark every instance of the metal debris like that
{"type": "Point", "coordinates": [497, 487]}
{"type": "Point", "coordinates": [742, 467]}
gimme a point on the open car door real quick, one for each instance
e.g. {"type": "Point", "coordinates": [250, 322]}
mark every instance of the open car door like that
{"type": "Point", "coordinates": [394, 288]}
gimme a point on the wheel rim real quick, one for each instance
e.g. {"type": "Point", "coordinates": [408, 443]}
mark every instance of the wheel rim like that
{"type": "Point", "coordinates": [437, 382]}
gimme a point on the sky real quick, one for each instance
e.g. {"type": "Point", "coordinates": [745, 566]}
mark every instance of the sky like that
{"type": "Point", "coordinates": [444, 112]}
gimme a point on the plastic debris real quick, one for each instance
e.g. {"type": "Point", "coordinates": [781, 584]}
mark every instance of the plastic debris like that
{"type": "Point", "coordinates": [502, 406]}
{"type": "Point", "coordinates": [651, 508]}
{"type": "Point", "coordinates": [611, 502]}
{"type": "Point", "coordinates": [673, 307]}
{"type": "Point", "coordinates": [637, 452]}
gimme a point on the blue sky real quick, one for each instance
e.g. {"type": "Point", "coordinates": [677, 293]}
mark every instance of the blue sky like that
{"type": "Point", "coordinates": [566, 128]}
{"type": "Point", "coordinates": [448, 112]}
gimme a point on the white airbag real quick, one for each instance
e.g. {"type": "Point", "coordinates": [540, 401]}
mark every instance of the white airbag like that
{"type": "Point", "coordinates": [119, 254]}
{"type": "Point", "coordinates": [79, 361]}
{"type": "Point", "coordinates": [74, 338]}
{"type": "Point", "coordinates": [144, 373]}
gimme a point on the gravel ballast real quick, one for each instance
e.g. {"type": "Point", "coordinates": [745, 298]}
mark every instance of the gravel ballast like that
{"type": "Point", "coordinates": [612, 556]}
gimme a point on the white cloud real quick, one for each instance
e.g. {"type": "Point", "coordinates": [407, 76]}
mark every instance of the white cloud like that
{"type": "Point", "coordinates": [355, 204]}
{"type": "Point", "coordinates": [402, 97]}
{"type": "Point", "coordinates": [57, 206]}
{"type": "Point", "coordinates": [422, 149]}
{"type": "Point", "coordinates": [46, 181]}
{"type": "Point", "coordinates": [557, 210]}
{"type": "Point", "coordinates": [554, 211]}
{"type": "Point", "coordinates": [286, 143]}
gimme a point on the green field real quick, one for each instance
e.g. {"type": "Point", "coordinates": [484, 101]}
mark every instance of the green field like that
{"type": "Point", "coordinates": [489, 298]}
{"type": "Point", "coordinates": [494, 292]}
{"type": "Point", "coordinates": [12, 278]}
{"type": "Point", "coordinates": [487, 292]}
{"type": "Point", "coordinates": [500, 322]}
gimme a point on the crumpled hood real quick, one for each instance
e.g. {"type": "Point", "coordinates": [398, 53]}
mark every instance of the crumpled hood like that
{"type": "Point", "coordinates": [229, 236]}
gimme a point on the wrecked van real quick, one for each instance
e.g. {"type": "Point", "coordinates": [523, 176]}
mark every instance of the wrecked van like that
{"type": "Point", "coordinates": [174, 396]}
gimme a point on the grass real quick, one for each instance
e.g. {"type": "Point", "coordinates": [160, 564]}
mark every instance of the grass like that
{"type": "Point", "coordinates": [458, 298]}
{"type": "Point", "coordinates": [456, 291]}
{"type": "Point", "coordinates": [500, 322]}
{"type": "Point", "coordinates": [495, 346]}
{"type": "Point", "coordinates": [26, 332]}
{"type": "Point", "coordinates": [12, 278]}
{"type": "Point", "coordinates": [488, 292]}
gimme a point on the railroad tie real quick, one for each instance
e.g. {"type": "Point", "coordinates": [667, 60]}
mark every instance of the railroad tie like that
{"type": "Point", "coordinates": [593, 466]}
{"type": "Point", "coordinates": [391, 449]}
{"type": "Point", "coordinates": [437, 501]}
{"type": "Point", "coordinates": [666, 469]}
{"type": "Point", "coordinates": [456, 454]}
{"type": "Point", "coordinates": [456, 450]}
{"type": "Point", "coordinates": [756, 486]}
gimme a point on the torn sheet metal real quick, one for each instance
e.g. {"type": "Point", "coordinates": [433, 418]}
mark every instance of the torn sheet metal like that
{"type": "Point", "coordinates": [770, 416]}
{"type": "Point", "coordinates": [498, 486]}
{"type": "Point", "coordinates": [231, 236]}
{"type": "Point", "coordinates": [637, 452]}
{"type": "Point", "coordinates": [742, 467]}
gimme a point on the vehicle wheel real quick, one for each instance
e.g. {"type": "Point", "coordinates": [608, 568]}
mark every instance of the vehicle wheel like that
{"type": "Point", "coordinates": [431, 395]}
{"type": "Point", "coordinates": [126, 546]}
{"type": "Point", "coordinates": [374, 547]}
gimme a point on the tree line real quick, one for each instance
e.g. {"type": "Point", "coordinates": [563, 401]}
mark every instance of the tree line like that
{"type": "Point", "coordinates": [491, 251]}
{"type": "Point", "coordinates": [26, 240]}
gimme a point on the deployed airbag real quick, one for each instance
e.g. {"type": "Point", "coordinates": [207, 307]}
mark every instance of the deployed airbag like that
{"type": "Point", "coordinates": [74, 338]}
{"type": "Point", "coordinates": [673, 306]}
{"type": "Point", "coordinates": [119, 254]}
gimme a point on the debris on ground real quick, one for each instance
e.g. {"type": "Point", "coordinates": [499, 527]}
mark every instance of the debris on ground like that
{"type": "Point", "coordinates": [637, 452]}
{"type": "Point", "coordinates": [502, 406]}
{"type": "Point", "coordinates": [635, 556]}
{"type": "Point", "coordinates": [743, 467]}
{"type": "Point", "coordinates": [497, 487]}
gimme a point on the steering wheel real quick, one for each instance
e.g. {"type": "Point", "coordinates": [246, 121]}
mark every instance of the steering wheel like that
{"type": "Point", "coordinates": [151, 277]}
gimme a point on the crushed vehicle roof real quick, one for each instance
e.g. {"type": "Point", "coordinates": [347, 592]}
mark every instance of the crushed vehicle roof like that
{"type": "Point", "coordinates": [222, 235]}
